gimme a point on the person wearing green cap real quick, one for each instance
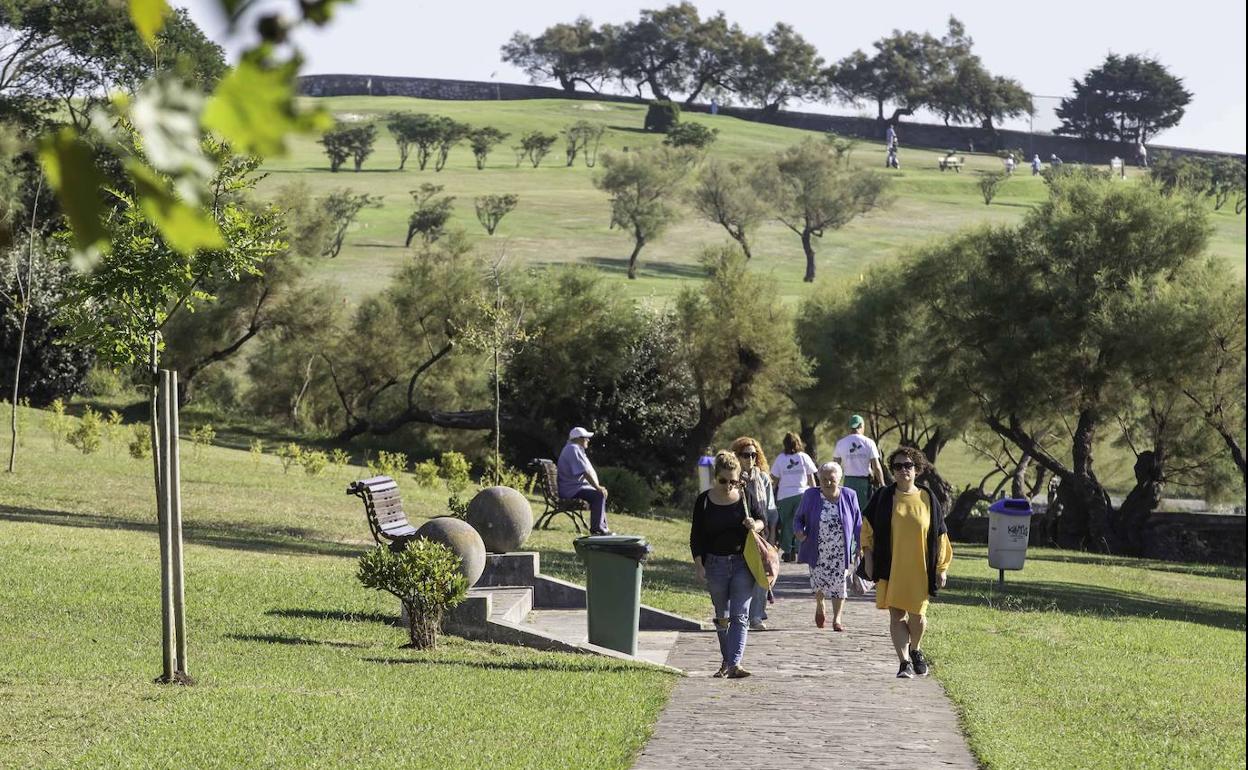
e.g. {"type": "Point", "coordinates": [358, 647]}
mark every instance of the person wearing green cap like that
{"type": "Point", "coordinates": [860, 457]}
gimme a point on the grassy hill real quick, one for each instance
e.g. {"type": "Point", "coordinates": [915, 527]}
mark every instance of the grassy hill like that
{"type": "Point", "coordinates": [562, 218]}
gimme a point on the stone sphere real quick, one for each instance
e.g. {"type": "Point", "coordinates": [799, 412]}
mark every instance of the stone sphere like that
{"type": "Point", "coordinates": [503, 517]}
{"type": "Point", "coordinates": [461, 538]}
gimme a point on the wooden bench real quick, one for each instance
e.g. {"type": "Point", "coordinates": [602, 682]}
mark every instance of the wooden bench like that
{"type": "Point", "coordinates": [548, 481]}
{"type": "Point", "coordinates": [384, 510]}
{"type": "Point", "coordinates": [951, 162]}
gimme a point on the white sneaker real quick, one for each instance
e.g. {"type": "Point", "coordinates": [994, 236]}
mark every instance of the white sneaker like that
{"type": "Point", "coordinates": [758, 625]}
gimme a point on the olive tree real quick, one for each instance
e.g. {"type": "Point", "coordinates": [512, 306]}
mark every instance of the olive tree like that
{"type": "Point", "coordinates": [724, 194]}
{"type": "Point", "coordinates": [643, 186]}
{"type": "Point", "coordinates": [813, 191]}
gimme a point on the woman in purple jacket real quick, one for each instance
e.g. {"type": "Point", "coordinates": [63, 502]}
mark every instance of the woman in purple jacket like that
{"type": "Point", "coordinates": [828, 524]}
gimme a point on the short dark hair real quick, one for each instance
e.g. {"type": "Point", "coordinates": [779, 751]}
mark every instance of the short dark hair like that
{"type": "Point", "coordinates": [921, 465]}
{"type": "Point", "coordinates": [793, 443]}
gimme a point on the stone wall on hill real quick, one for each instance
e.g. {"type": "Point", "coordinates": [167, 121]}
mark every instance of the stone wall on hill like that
{"type": "Point", "coordinates": [925, 135]}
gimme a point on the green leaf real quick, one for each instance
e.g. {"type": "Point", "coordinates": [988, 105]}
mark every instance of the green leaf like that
{"type": "Point", "coordinates": [253, 108]}
{"type": "Point", "coordinates": [185, 228]}
{"type": "Point", "coordinates": [69, 163]}
{"type": "Point", "coordinates": [149, 18]}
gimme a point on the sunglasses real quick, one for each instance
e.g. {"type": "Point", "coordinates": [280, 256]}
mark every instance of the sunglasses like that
{"type": "Point", "coordinates": [903, 466]}
{"type": "Point", "coordinates": [726, 481]}
{"type": "Point", "coordinates": [750, 455]}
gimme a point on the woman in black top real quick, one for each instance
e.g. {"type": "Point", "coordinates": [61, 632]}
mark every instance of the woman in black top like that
{"type": "Point", "coordinates": [721, 523]}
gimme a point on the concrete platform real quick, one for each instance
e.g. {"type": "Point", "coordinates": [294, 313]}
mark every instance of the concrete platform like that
{"type": "Point", "coordinates": [513, 603]}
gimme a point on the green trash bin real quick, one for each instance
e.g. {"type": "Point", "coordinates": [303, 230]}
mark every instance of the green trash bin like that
{"type": "Point", "coordinates": [613, 588]}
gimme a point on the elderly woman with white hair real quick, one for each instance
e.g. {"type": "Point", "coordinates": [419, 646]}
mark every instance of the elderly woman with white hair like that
{"type": "Point", "coordinates": [828, 525]}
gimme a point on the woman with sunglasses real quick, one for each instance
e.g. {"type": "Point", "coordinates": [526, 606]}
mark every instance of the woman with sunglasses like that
{"type": "Point", "coordinates": [828, 524]}
{"type": "Point", "coordinates": [722, 520]}
{"type": "Point", "coordinates": [761, 497]}
{"type": "Point", "coordinates": [906, 550]}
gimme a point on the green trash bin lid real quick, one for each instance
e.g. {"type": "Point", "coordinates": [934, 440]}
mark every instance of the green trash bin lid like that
{"type": "Point", "coordinates": [632, 546]}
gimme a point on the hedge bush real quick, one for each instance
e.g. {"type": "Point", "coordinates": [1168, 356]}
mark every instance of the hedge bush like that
{"type": "Point", "coordinates": [662, 115]}
{"type": "Point", "coordinates": [627, 492]}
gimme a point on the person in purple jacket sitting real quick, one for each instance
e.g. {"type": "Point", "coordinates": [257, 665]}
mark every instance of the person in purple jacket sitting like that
{"type": "Point", "coordinates": [828, 525]}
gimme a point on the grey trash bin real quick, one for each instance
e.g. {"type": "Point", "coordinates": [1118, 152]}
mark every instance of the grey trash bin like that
{"type": "Point", "coordinates": [613, 588]}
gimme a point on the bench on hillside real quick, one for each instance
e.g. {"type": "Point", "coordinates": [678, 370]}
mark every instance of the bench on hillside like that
{"type": "Point", "coordinates": [548, 481]}
{"type": "Point", "coordinates": [951, 162]}
{"type": "Point", "coordinates": [384, 511]}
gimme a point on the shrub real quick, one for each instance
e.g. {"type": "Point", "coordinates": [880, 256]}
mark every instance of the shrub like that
{"type": "Point", "coordinates": [390, 464]}
{"type": "Point", "coordinates": [58, 423]}
{"type": "Point", "coordinates": [693, 135]}
{"type": "Point", "coordinates": [426, 473]}
{"type": "Point", "coordinates": [457, 507]}
{"type": "Point", "coordinates": [627, 492]}
{"type": "Point", "coordinates": [203, 436]}
{"type": "Point", "coordinates": [507, 476]}
{"type": "Point", "coordinates": [662, 115]}
{"type": "Point", "coordinates": [314, 462]}
{"type": "Point", "coordinates": [289, 455]}
{"type": "Point", "coordinates": [140, 442]}
{"type": "Point", "coordinates": [339, 458]}
{"type": "Point", "coordinates": [89, 433]}
{"type": "Point", "coordinates": [454, 467]}
{"type": "Point", "coordinates": [990, 184]}
{"type": "Point", "coordinates": [425, 577]}
{"type": "Point", "coordinates": [114, 430]}
{"type": "Point", "coordinates": [257, 451]}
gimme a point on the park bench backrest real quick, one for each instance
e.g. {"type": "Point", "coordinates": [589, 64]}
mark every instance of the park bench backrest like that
{"type": "Point", "coordinates": [382, 506]}
{"type": "Point", "coordinates": [549, 477]}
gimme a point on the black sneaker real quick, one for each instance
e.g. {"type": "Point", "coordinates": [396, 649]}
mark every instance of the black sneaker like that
{"type": "Point", "coordinates": [906, 671]}
{"type": "Point", "coordinates": [920, 663]}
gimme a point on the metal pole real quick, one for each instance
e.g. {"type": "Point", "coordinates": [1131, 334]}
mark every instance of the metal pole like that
{"type": "Point", "coordinates": [175, 510]}
{"type": "Point", "coordinates": [166, 533]}
{"type": "Point", "coordinates": [1001, 576]}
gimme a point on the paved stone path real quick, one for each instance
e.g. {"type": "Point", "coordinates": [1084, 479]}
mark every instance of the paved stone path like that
{"type": "Point", "coordinates": [818, 698]}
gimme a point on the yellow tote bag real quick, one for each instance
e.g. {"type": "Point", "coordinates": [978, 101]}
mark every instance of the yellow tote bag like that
{"type": "Point", "coordinates": [763, 560]}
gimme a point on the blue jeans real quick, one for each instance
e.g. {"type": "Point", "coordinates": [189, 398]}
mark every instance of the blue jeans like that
{"type": "Point", "coordinates": [597, 507]}
{"type": "Point", "coordinates": [732, 591]}
{"type": "Point", "coordinates": [758, 605]}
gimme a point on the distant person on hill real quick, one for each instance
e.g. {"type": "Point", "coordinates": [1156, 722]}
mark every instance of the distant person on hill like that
{"type": "Point", "coordinates": [891, 160]}
{"type": "Point", "coordinates": [905, 549]}
{"type": "Point", "coordinates": [794, 473]}
{"type": "Point", "coordinates": [860, 457]}
{"type": "Point", "coordinates": [1035, 165]}
{"type": "Point", "coordinates": [1142, 153]}
{"type": "Point", "coordinates": [1009, 164]}
{"type": "Point", "coordinates": [714, 106]}
{"type": "Point", "coordinates": [722, 520]}
{"type": "Point", "coordinates": [578, 479]}
{"type": "Point", "coordinates": [1054, 160]}
{"type": "Point", "coordinates": [890, 136]}
{"type": "Point", "coordinates": [761, 497]}
{"type": "Point", "coordinates": [829, 525]}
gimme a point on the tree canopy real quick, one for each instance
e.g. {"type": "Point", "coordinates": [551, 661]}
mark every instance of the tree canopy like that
{"type": "Point", "coordinates": [1128, 98]}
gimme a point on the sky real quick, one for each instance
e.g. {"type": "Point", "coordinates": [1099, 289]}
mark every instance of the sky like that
{"type": "Point", "coordinates": [1043, 46]}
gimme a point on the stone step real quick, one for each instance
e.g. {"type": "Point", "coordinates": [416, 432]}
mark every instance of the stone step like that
{"type": "Point", "coordinates": [509, 604]}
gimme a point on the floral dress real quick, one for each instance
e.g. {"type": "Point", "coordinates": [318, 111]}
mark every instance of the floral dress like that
{"type": "Point", "coordinates": [828, 574]}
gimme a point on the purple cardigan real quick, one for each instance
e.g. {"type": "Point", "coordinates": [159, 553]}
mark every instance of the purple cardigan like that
{"type": "Point", "coordinates": [810, 510]}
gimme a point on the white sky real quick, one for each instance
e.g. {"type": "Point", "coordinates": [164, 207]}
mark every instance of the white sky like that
{"type": "Point", "coordinates": [1201, 41]}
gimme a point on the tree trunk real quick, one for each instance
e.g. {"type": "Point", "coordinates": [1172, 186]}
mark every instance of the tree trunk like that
{"type": "Point", "coordinates": [632, 258]}
{"type": "Point", "coordinates": [1132, 518]}
{"type": "Point", "coordinates": [961, 509]}
{"type": "Point", "coordinates": [808, 247]}
{"type": "Point", "coordinates": [1086, 510]}
{"type": "Point", "coordinates": [17, 372]}
{"type": "Point", "coordinates": [1018, 479]}
{"type": "Point", "coordinates": [806, 430]}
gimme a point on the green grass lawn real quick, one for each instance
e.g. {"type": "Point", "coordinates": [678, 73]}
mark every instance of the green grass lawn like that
{"type": "Point", "coordinates": [1082, 661]}
{"type": "Point", "coordinates": [563, 219]}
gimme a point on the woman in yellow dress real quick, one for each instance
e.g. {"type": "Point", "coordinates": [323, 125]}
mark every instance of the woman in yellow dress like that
{"type": "Point", "coordinates": [905, 549]}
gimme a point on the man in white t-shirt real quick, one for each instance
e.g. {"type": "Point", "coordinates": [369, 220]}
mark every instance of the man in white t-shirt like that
{"type": "Point", "coordinates": [860, 458]}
